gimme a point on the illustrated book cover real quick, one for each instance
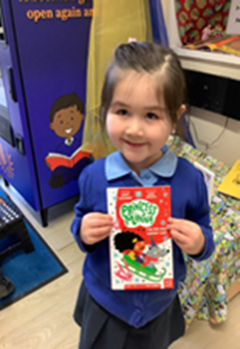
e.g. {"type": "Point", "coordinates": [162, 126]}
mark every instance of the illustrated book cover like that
{"type": "Point", "coordinates": [55, 160]}
{"type": "Point", "coordinates": [140, 245]}
{"type": "Point", "coordinates": [231, 183]}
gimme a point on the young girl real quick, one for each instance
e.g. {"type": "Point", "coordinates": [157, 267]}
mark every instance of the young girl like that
{"type": "Point", "coordinates": [141, 103]}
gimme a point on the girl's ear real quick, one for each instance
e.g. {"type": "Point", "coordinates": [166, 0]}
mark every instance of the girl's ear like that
{"type": "Point", "coordinates": [180, 111]}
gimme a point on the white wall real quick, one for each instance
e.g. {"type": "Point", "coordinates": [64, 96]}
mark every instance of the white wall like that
{"type": "Point", "coordinates": [165, 7]}
{"type": "Point", "coordinates": [207, 124]}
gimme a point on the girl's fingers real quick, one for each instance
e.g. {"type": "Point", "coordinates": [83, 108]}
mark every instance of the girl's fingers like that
{"type": "Point", "coordinates": [181, 241]}
{"type": "Point", "coordinates": [97, 220]}
{"type": "Point", "coordinates": [99, 215]}
{"type": "Point", "coordinates": [95, 224]}
{"type": "Point", "coordinates": [95, 227]}
{"type": "Point", "coordinates": [91, 236]}
{"type": "Point", "coordinates": [100, 231]}
{"type": "Point", "coordinates": [187, 235]}
{"type": "Point", "coordinates": [178, 237]}
{"type": "Point", "coordinates": [181, 225]}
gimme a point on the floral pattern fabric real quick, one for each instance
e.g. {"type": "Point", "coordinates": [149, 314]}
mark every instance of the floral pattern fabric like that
{"type": "Point", "coordinates": [204, 293]}
{"type": "Point", "coordinates": [194, 15]}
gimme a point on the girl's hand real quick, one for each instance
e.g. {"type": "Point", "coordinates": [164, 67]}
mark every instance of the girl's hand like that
{"type": "Point", "coordinates": [187, 235]}
{"type": "Point", "coordinates": [95, 227]}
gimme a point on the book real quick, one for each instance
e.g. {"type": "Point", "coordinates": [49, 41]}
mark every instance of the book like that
{"type": "Point", "coordinates": [140, 246]}
{"type": "Point", "coordinates": [55, 160]}
{"type": "Point", "coordinates": [230, 44]}
{"type": "Point", "coordinates": [209, 177]}
{"type": "Point", "coordinates": [231, 183]}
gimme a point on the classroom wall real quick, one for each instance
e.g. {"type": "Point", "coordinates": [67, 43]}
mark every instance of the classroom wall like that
{"type": "Point", "coordinates": [208, 125]}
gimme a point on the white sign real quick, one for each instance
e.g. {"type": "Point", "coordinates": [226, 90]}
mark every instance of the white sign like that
{"type": "Point", "coordinates": [233, 26]}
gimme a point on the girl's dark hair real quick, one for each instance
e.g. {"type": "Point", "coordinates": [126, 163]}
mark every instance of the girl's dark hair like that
{"type": "Point", "coordinates": [150, 58]}
{"type": "Point", "coordinates": [126, 241]}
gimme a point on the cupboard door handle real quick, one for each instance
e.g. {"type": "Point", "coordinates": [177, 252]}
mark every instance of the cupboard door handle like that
{"type": "Point", "coordinates": [12, 85]}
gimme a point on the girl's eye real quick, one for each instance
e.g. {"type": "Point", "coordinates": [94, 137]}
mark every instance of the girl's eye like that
{"type": "Point", "coordinates": [152, 116]}
{"type": "Point", "coordinates": [122, 112]}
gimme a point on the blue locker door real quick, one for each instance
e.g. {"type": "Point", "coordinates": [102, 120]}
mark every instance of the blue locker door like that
{"type": "Point", "coordinates": [14, 157]}
{"type": "Point", "coordinates": [52, 44]}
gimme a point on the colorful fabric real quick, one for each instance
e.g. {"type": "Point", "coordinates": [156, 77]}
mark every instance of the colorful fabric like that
{"type": "Point", "coordinates": [204, 293]}
{"type": "Point", "coordinates": [194, 15]}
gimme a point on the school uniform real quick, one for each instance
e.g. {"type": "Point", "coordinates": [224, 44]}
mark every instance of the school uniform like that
{"type": "Point", "coordinates": [102, 330]}
{"type": "Point", "coordinates": [136, 311]}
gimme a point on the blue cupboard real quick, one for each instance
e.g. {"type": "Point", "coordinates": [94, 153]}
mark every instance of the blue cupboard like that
{"type": "Point", "coordinates": [43, 65]}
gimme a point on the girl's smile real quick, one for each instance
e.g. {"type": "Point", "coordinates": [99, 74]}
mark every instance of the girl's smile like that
{"type": "Point", "coordinates": [137, 122]}
{"type": "Point", "coordinates": [134, 145]}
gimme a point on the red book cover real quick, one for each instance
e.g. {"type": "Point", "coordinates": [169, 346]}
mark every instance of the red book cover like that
{"type": "Point", "coordinates": [55, 160]}
{"type": "Point", "coordinates": [140, 245]}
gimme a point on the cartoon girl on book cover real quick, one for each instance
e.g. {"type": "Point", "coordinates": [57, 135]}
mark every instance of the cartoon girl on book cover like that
{"type": "Point", "coordinates": [66, 163]}
{"type": "Point", "coordinates": [132, 246]}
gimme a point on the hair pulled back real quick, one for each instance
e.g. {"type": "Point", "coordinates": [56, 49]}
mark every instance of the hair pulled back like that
{"type": "Point", "coordinates": [146, 57]}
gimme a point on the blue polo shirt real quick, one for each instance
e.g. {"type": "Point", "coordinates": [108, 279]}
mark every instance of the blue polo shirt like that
{"type": "Point", "coordinates": [189, 201]}
{"type": "Point", "coordinates": [116, 167]}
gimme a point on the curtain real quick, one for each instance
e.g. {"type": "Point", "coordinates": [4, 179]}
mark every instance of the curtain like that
{"type": "Point", "coordinates": [112, 25]}
{"type": "Point", "coordinates": [159, 31]}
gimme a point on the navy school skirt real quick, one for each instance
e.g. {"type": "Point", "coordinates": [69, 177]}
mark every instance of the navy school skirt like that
{"type": "Point", "coordinates": [102, 330]}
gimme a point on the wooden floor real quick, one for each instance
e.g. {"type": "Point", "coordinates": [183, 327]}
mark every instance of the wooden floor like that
{"type": "Point", "coordinates": [43, 320]}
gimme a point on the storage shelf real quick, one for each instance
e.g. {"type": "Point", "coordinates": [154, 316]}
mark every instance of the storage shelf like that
{"type": "Point", "coordinates": [211, 63]}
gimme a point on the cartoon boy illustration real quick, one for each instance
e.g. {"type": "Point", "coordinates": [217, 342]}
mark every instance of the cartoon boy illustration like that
{"type": "Point", "coordinates": [66, 163]}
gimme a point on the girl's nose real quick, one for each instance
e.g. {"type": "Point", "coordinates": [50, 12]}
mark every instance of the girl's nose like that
{"type": "Point", "coordinates": [135, 127]}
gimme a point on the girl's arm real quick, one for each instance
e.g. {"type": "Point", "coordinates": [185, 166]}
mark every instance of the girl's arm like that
{"type": "Point", "coordinates": [194, 234]}
{"type": "Point", "coordinates": [88, 227]}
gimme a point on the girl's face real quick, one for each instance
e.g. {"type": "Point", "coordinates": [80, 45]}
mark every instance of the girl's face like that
{"type": "Point", "coordinates": [139, 247]}
{"type": "Point", "coordinates": [137, 122]}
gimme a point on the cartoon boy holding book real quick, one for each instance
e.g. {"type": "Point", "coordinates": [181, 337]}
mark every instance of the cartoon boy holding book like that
{"type": "Point", "coordinates": [68, 160]}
